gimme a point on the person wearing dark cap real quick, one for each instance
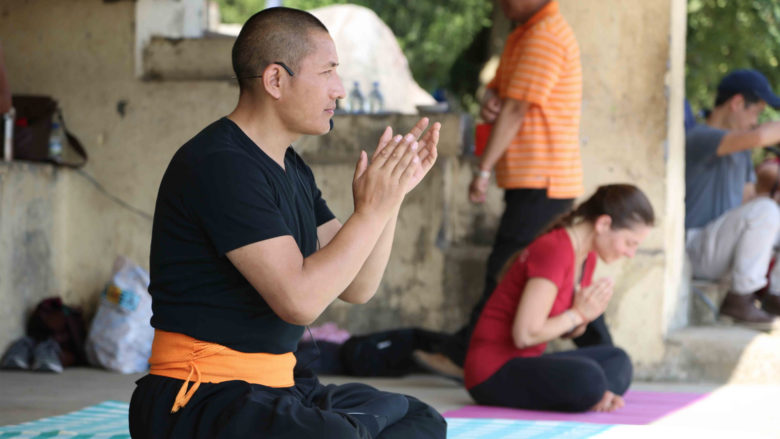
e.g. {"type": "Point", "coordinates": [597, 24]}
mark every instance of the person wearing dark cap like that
{"type": "Point", "coordinates": [731, 229]}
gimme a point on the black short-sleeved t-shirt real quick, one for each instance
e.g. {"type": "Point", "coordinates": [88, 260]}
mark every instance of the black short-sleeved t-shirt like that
{"type": "Point", "coordinates": [221, 192]}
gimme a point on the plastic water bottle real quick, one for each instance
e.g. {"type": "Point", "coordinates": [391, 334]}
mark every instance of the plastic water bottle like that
{"type": "Point", "coordinates": [356, 101]}
{"type": "Point", "coordinates": [340, 107]}
{"type": "Point", "coordinates": [376, 103]}
{"type": "Point", "coordinates": [55, 142]}
{"type": "Point", "coordinates": [8, 135]}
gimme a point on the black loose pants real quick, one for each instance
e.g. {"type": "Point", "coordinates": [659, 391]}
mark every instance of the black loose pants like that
{"type": "Point", "coordinates": [237, 409]}
{"type": "Point", "coordinates": [571, 381]}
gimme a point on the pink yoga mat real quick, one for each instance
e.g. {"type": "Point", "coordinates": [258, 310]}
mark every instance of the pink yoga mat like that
{"type": "Point", "coordinates": [641, 408]}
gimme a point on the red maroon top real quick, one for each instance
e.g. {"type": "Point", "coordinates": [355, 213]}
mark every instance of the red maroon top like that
{"type": "Point", "coordinates": [551, 256]}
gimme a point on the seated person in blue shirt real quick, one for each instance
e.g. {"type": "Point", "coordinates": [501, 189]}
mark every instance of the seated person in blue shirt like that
{"type": "Point", "coordinates": [731, 229]}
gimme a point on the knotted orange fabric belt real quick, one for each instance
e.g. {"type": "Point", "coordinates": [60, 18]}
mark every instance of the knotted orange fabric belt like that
{"type": "Point", "coordinates": [180, 356]}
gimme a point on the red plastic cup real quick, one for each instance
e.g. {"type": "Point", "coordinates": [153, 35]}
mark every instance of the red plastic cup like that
{"type": "Point", "coordinates": [481, 136]}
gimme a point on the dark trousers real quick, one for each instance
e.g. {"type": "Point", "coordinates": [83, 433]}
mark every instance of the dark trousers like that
{"type": "Point", "coordinates": [378, 354]}
{"type": "Point", "coordinates": [571, 381]}
{"type": "Point", "coordinates": [237, 409]}
{"type": "Point", "coordinates": [526, 214]}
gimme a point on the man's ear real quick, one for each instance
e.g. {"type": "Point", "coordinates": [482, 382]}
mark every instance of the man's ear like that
{"type": "Point", "coordinates": [603, 223]}
{"type": "Point", "coordinates": [272, 80]}
{"type": "Point", "coordinates": [737, 102]}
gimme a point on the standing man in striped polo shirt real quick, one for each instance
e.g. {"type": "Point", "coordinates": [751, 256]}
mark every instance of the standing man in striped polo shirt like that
{"type": "Point", "coordinates": [534, 105]}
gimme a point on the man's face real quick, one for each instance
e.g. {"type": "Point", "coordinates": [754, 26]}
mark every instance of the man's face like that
{"type": "Point", "coordinates": [521, 10]}
{"type": "Point", "coordinates": [744, 116]}
{"type": "Point", "coordinates": [310, 100]}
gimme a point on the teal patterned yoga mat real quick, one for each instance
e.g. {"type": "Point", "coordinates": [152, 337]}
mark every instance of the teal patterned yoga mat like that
{"type": "Point", "coordinates": [108, 420]}
{"type": "Point", "coordinates": [470, 428]}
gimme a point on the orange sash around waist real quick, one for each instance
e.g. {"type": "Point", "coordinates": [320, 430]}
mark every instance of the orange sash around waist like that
{"type": "Point", "coordinates": [180, 356]}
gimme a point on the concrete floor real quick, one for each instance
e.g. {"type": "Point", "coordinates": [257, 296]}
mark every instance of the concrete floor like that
{"type": "Point", "coordinates": [731, 411]}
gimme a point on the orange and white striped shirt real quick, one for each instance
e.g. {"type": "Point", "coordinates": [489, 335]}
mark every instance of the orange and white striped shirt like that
{"type": "Point", "coordinates": [540, 64]}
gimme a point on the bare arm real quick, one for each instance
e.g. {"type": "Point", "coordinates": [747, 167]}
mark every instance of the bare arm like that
{"type": "Point", "coordinates": [298, 289]}
{"type": "Point", "coordinates": [367, 280]}
{"type": "Point", "coordinates": [532, 324]}
{"type": "Point", "coordinates": [764, 135]}
{"type": "Point", "coordinates": [491, 106]}
{"type": "Point", "coordinates": [508, 123]}
{"type": "Point", "coordinates": [365, 284]}
{"type": "Point", "coordinates": [577, 331]}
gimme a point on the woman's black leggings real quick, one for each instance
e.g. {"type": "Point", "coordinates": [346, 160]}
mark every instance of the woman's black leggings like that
{"type": "Point", "coordinates": [570, 381]}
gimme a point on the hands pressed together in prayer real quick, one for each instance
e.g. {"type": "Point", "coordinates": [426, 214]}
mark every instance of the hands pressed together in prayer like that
{"type": "Point", "coordinates": [398, 164]}
{"type": "Point", "coordinates": [590, 303]}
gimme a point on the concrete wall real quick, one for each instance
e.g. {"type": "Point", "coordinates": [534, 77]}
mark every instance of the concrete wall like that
{"type": "Point", "coordinates": [632, 132]}
{"type": "Point", "coordinates": [83, 52]}
{"type": "Point", "coordinates": [31, 241]}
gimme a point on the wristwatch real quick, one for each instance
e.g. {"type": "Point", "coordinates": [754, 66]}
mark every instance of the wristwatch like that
{"type": "Point", "coordinates": [482, 173]}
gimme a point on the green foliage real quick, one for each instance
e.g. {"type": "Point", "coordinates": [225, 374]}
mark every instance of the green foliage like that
{"type": "Point", "coordinates": [724, 35]}
{"type": "Point", "coordinates": [432, 34]}
{"type": "Point", "coordinates": [238, 11]}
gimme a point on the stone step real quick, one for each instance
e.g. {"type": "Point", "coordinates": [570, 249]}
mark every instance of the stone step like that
{"type": "Point", "coordinates": [705, 300]}
{"type": "Point", "coordinates": [719, 353]}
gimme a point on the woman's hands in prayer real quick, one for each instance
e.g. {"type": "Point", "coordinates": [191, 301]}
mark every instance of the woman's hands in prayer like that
{"type": "Point", "coordinates": [591, 301]}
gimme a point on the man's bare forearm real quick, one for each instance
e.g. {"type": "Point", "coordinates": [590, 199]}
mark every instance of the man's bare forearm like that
{"type": "Point", "coordinates": [369, 277]}
{"type": "Point", "coordinates": [298, 289]}
{"type": "Point", "coordinates": [508, 123]}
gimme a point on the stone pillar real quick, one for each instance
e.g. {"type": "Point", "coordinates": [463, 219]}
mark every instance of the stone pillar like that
{"type": "Point", "coordinates": [632, 131]}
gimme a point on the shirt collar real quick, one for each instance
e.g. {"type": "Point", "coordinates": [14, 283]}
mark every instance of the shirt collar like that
{"type": "Point", "coordinates": [548, 10]}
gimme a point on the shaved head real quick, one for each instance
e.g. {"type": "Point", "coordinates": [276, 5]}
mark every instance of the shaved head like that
{"type": "Point", "coordinates": [273, 35]}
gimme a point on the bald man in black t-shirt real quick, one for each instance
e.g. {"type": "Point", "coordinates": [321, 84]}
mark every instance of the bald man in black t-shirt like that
{"type": "Point", "coordinates": [245, 253]}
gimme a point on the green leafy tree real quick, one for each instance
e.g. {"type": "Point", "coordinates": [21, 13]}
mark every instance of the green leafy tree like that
{"type": "Point", "coordinates": [238, 11]}
{"type": "Point", "coordinates": [724, 35]}
{"type": "Point", "coordinates": [432, 34]}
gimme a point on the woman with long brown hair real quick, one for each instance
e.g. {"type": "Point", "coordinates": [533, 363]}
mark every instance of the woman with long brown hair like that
{"type": "Point", "coordinates": [546, 293]}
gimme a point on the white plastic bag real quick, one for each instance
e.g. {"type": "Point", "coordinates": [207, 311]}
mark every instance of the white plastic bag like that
{"type": "Point", "coordinates": [120, 337]}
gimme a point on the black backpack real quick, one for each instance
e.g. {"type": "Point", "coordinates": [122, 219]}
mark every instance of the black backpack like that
{"type": "Point", "coordinates": [65, 324]}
